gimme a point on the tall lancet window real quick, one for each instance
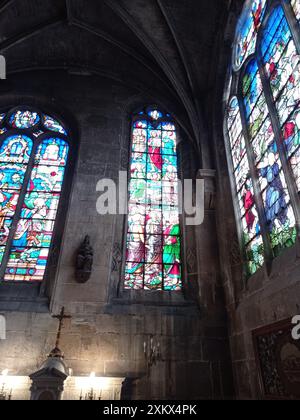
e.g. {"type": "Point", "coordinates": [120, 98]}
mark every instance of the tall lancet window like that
{"type": "Point", "coordinates": [153, 253]}
{"type": "Point", "coordinates": [263, 128]}
{"type": "Point", "coordinates": [33, 157]}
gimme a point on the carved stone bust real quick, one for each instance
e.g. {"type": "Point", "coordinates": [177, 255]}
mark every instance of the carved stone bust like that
{"type": "Point", "coordinates": [84, 261]}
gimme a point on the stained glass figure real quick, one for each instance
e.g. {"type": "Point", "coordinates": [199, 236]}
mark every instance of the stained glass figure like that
{"type": "Point", "coordinates": [32, 240]}
{"type": "Point", "coordinates": [247, 31]}
{"type": "Point", "coordinates": [28, 211]}
{"type": "Point", "coordinates": [252, 238]}
{"type": "Point", "coordinates": [14, 156]}
{"type": "Point", "coordinates": [153, 257]}
{"type": "Point", "coordinates": [279, 214]}
{"type": "Point", "coordinates": [24, 119]}
{"type": "Point", "coordinates": [53, 125]}
{"type": "Point", "coordinates": [283, 69]}
{"type": "Point", "coordinates": [155, 114]}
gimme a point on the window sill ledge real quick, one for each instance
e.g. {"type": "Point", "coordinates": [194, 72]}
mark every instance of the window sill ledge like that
{"type": "Point", "coordinates": [171, 302]}
{"type": "Point", "coordinates": [23, 297]}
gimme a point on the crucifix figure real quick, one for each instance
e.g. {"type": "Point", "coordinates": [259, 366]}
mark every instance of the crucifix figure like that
{"type": "Point", "coordinates": [56, 352]}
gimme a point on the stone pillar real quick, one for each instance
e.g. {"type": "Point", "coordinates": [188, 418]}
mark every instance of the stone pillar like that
{"type": "Point", "coordinates": [206, 241]}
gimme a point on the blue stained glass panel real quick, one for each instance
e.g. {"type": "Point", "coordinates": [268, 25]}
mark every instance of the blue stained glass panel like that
{"type": "Point", "coordinates": [24, 119]}
{"type": "Point", "coordinates": [167, 126]}
{"type": "Point", "coordinates": [14, 156]}
{"type": "Point", "coordinates": [247, 31]}
{"type": "Point", "coordinates": [33, 236]}
{"type": "Point", "coordinates": [283, 68]}
{"type": "Point", "coordinates": [53, 125]}
{"type": "Point", "coordinates": [11, 176]}
{"type": "Point", "coordinates": [16, 149]}
{"type": "Point", "coordinates": [254, 99]}
{"type": "Point", "coordinates": [53, 152]}
{"type": "Point", "coordinates": [32, 233]}
{"type": "Point", "coordinates": [278, 211]}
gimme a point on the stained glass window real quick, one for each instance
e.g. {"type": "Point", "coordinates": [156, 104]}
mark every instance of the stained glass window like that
{"type": "Point", "coordinates": [278, 210]}
{"type": "Point", "coordinates": [268, 114]}
{"type": "Point", "coordinates": [283, 70]}
{"type": "Point", "coordinates": [32, 168]}
{"type": "Point", "coordinates": [53, 125]}
{"type": "Point", "coordinates": [24, 119]}
{"type": "Point", "coordinates": [247, 31]}
{"type": "Point", "coordinates": [153, 260]}
{"type": "Point", "coordinates": [252, 238]}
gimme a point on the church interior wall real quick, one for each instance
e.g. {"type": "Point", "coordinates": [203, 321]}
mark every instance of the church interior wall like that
{"type": "Point", "coordinates": [103, 336]}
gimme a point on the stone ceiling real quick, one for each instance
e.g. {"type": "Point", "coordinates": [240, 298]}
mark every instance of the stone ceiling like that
{"type": "Point", "coordinates": [157, 46]}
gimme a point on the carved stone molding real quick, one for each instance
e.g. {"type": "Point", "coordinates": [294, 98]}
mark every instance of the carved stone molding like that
{"type": "Point", "coordinates": [116, 258]}
{"type": "Point", "coordinates": [191, 260]}
{"type": "Point", "coordinates": [209, 177]}
{"type": "Point", "coordinates": [235, 252]}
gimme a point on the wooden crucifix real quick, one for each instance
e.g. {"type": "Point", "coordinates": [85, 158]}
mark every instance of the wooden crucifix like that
{"type": "Point", "coordinates": [61, 317]}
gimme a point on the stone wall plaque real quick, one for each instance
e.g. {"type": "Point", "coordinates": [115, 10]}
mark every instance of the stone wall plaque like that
{"type": "Point", "coordinates": [278, 361]}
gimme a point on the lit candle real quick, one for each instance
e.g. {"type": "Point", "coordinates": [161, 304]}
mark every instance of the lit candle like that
{"type": "Point", "coordinates": [145, 347]}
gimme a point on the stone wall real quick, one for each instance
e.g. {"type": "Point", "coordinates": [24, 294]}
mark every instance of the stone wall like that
{"type": "Point", "coordinates": [266, 297]}
{"type": "Point", "coordinates": [104, 336]}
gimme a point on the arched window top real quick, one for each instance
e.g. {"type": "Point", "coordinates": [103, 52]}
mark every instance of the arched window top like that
{"type": "Point", "coordinates": [53, 125]}
{"type": "Point", "coordinates": [24, 118]}
{"type": "Point", "coordinates": [276, 34]}
{"type": "Point", "coordinates": [34, 149]}
{"type": "Point", "coordinates": [153, 245]}
{"type": "Point", "coordinates": [152, 117]}
{"type": "Point", "coordinates": [247, 30]}
{"type": "Point", "coordinates": [296, 8]}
